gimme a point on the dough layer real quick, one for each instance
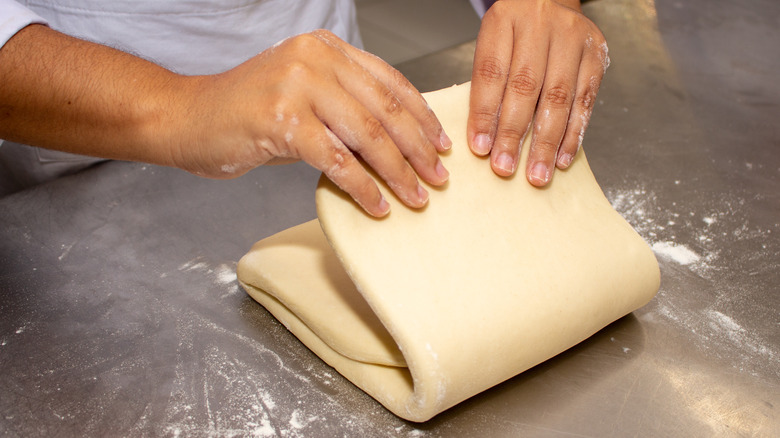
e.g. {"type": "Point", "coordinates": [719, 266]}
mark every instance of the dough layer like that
{"type": "Point", "coordinates": [425, 308]}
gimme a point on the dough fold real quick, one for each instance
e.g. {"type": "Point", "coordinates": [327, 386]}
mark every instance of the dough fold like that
{"type": "Point", "coordinates": [426, 308]}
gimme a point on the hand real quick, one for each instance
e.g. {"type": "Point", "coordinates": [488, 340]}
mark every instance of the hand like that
{"type": "Point", "coordinates": [316, 98]}
{"type": "Point", "coordinates": [534, 56]}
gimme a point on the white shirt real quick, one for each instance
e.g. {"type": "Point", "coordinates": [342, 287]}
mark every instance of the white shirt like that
{"type": "Point", "coordinates": [13, 17]}
{"type": "Point", "coordinates": [186, 36]}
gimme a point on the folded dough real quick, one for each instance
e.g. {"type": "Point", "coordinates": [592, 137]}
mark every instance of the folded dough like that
{"type": "Point", "coordinates": [426, 308]}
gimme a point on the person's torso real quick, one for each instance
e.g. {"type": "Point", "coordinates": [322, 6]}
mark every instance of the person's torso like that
{"type": "Point", "coordinates": [196, 36]}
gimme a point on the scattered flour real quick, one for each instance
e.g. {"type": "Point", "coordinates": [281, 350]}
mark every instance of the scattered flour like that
{"type": "Point", "coordinates": [193, 265]}
{"type": "Point", "coordinates": [739, 336]}
{"type": "Point", "coordinates": [228, 384]}
{"type": "Point", "coordinates": [65, 251]}
{"type": "Point", "coordinates": [713, 242]}
{"type": "Point", "coordinates": [264, 429]}
{"type": "Point", "coordinates": [678, 253]}
{"type": "Point", "coordinates": [223, 275]}
{"type": "Point", "coordinates": [296, 422]}
{"type": "Point", "coordinates": [696, 240]}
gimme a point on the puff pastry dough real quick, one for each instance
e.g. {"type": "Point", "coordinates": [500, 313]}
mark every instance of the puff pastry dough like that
{"type": "Point", "coordinates": [424, 309]}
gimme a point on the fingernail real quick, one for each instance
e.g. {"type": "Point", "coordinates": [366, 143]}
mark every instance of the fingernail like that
{"type": "Point", "coordinates": [441, 172]}
{"type": "Point", "coordinates": [384, 206]}
{"type": "Point", "coordinates": [540, 174]}
{"type": "Point", "coordinates": [446, 143]}
{"type": "Point", "coordinates": [481, 144]}
{"type": "Point", "coordinates": [422, 194]}
{"type": "Point", "coordinates": [505, 163]}
{"type": "Point", "coordinates": [565, 160]}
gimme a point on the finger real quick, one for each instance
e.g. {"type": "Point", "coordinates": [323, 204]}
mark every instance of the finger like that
{"type": "Point", "coordinates": [520, 99]}
{"type": "Point", "coordinates": [587, 88]}
{"type": "Point", "coordinates": [403, 128]}
{"type": "Point", "coordinates": [409, 97]}
{"type": "Point", "coordinates": [553, 111]}
{"type": "Point", "coordinates": [488, 79]}
{"type": "Point", "coordinates": [362, 133]}
{"type": "Point", "coordinates": [338, 163]}
{"type": "Point", "coordinates": [588, 82]}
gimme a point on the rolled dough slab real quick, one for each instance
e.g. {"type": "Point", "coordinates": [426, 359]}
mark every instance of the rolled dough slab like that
{"type": "Point", "coordinates": [426, 308]}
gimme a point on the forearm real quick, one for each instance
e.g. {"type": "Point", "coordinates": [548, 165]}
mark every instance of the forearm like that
{"type": "Point", "coordinates": [63, 93]}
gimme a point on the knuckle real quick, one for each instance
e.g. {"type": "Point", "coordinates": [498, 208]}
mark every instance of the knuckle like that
{"type": "Point", "coordinates": [391, 104]}
{"type": "Point", "coordinates": [511, 135]}
{"type": "Point", "coordinates": [323, 33]}
{"type": "Point", "coordinates": [313, 43]}
{"type": "Point", "coordinates": [558, 96]}
{"type": "Point", "coordinates": [281, 106]}
{"type": "Point", "coordinates": [484, 118]}
{"type": "Point", "coordinates": [524, 82]}
{"type": "Point", "coordinates": [490, 70]}
{"type": "Point", "coordinates": [586, 100]}
{"type": "Point", "coordinates": [571, 22]}
{"type": "Point", "coordinates": [544, 146]}
{"type": "Point", "coordinates": [305, 42]}
{"type": "Point", "coordinates": [496, 11]}
{"type": "Point", "coordinates": [336, 162]}
{"type": "Point", "coordinates": [298, 71]}
{"type": "Point", "coordinates": [421, 153]}
{"type": "Point", "coordinates": [587, 97]}
{"type": "Point", "coordinates": [374, 129]}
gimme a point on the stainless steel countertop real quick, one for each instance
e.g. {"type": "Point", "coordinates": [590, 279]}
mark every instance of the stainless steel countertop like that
{"type": "Point", "coordinates": [121, 314]}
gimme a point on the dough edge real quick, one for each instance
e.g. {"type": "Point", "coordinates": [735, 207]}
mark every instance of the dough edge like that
{"type": "Point", "coordinates": [426, 389]}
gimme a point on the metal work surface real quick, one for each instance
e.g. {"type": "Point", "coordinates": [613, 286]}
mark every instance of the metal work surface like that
{"type": "Point", "coordinates": [121, 314]}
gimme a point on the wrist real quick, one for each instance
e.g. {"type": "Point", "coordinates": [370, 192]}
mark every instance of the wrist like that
{"type": "Point", "coordinates": [161, 120]}
{"type": "Point", "coordinates": [181, 121]}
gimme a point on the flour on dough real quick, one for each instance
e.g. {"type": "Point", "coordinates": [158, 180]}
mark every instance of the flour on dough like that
{"type": "Point", "coordinates": [425, 308]}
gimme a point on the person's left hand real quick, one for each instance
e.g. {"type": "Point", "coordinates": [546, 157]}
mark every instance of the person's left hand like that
{"type": "Point", "coordinates": [534, 56]}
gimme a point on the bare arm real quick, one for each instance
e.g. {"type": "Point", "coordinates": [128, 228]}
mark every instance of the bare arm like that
{"type": "Point", "coordinates": [313, 97]}
{"type": "Point", "coordinates": [64, 93]}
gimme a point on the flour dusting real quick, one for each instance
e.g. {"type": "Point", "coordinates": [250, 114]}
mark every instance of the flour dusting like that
{"type": "Point", "coordinates": [712, 242]}
{"type": "Point", "coordinates": [230, 168]}
{"type": "Point", "coordinates": [679, 253]}
{"type": "Point", "coordinates": [193, 265]}
{"type": "Point", "coordinates": [693, 239]}
{"type": "Point", "coordinates": [223, 275]}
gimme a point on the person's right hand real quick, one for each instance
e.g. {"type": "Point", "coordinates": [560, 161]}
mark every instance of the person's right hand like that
{"type": "Point", "coordinates": [316, 98]}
